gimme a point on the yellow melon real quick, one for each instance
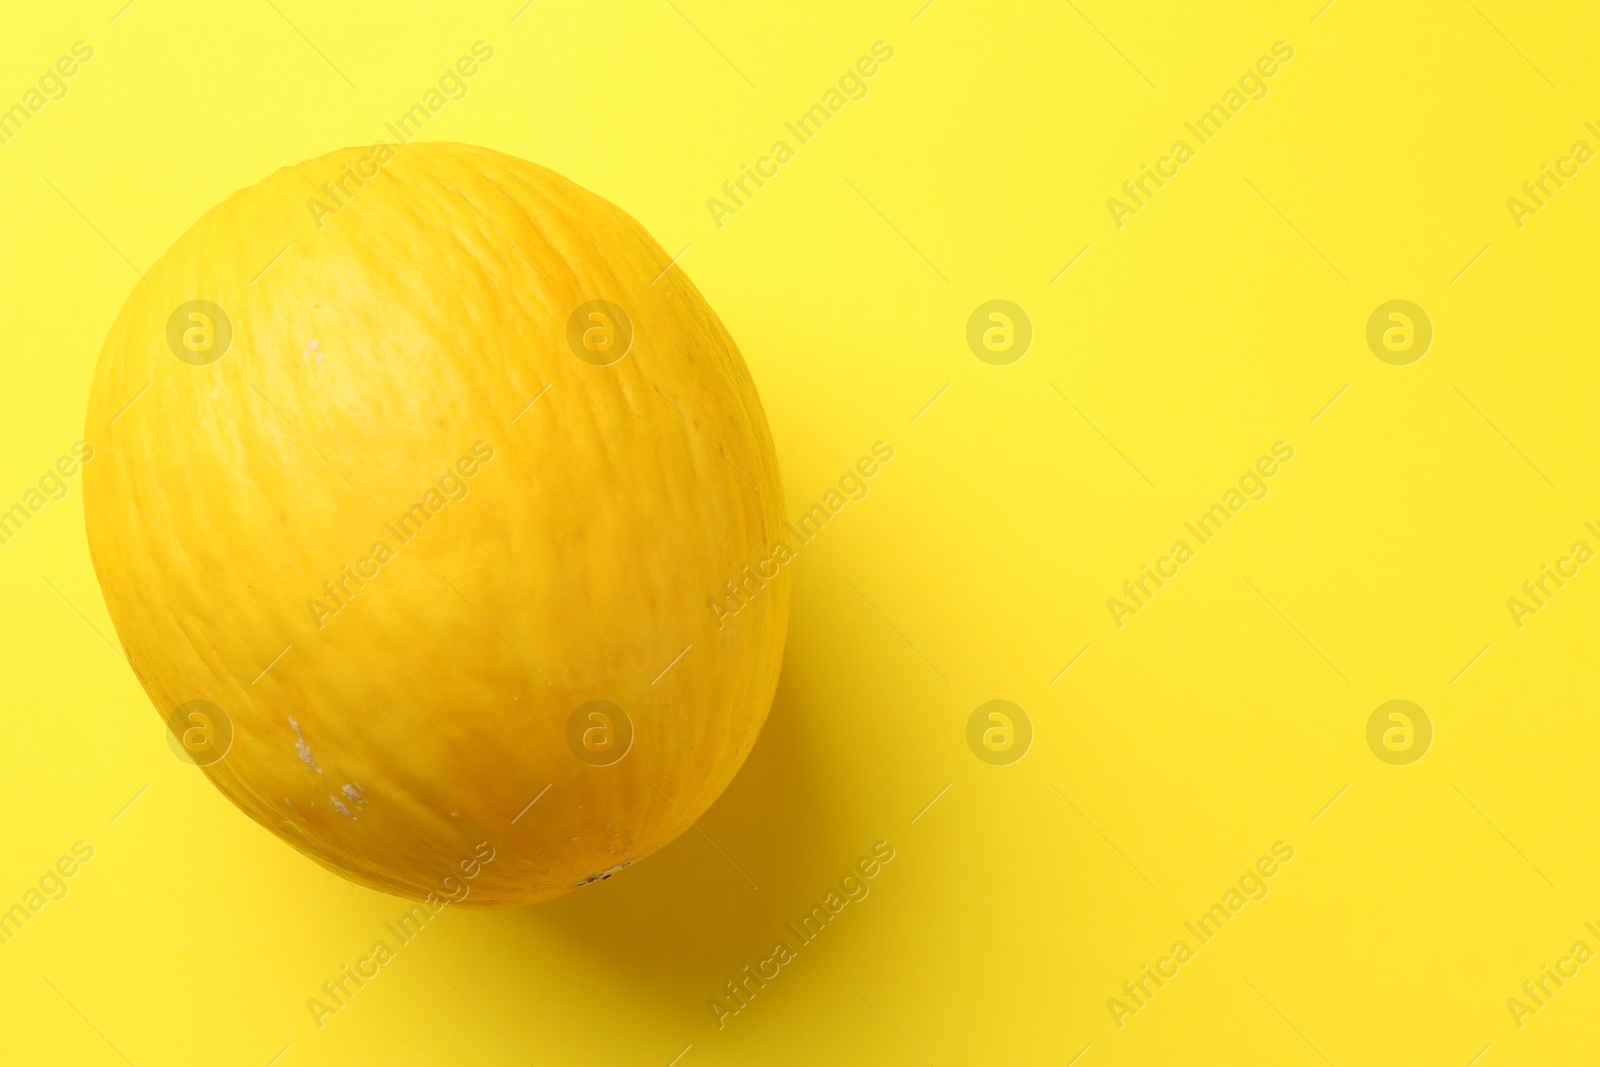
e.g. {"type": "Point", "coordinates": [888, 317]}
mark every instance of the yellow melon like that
{"type": "Point", "coordinates": [421, 478]}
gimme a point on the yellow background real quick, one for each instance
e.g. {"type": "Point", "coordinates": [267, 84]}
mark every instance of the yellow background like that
{"type": "Point", "coordinates": [1225, 716]}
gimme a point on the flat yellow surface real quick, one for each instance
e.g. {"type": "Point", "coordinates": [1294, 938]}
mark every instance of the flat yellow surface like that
{"type": "Point", "coordinates": [1176, 340]}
